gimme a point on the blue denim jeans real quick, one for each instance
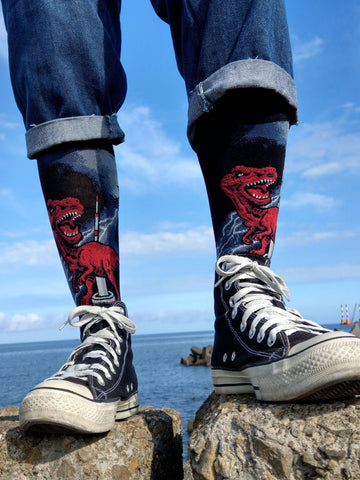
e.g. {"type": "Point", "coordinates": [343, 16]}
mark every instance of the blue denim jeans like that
{"type": "Point", "coordinates": [69, 83]}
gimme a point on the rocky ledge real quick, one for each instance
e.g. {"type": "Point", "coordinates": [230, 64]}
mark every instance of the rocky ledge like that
{"type": "Point", "coordinates": [146, 446]}
{"type": "Point", "coordinates": [236, 437]}
{"type": "Point", "coordinates": [233, 438]}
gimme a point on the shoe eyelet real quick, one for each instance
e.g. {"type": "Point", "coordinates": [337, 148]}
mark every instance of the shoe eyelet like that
{"type": "Point", "coordinates": [260, 338]}
{"type": "Point", "coordinates": [270, 342]}
{"type": "Point", "coordinates": [231, 302]}
{"type": "Point", "coordinates": [251, 334]}
{"type": "Point", "coordinates": [233, 314]}
{"type": "Point", "coordinates": [242, 327]}
{"type": "Point", "coordinates": [227, 286]}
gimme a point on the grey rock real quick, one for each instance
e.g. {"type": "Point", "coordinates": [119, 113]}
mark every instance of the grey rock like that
{"type": "Point", "coordinates": [237, 437]}
{"type": "Point", "coordinates": [145, 446]}
{"type": "Point", "coordinates": [234, 437]}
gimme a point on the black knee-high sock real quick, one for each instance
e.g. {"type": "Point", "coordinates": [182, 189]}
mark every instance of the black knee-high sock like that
{"type": "Point", "coordinates": [81, 192]}
{"type": "Point", "coordinates": [242, 159]}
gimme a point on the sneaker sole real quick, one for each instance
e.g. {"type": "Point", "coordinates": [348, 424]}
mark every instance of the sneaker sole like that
{"type": "Point", "coordinates": [59, 411]}
{"type": "Point", "coordinates": [326, 367]}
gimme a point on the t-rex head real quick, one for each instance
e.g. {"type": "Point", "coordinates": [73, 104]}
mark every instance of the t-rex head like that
{"type": "Point", "coordinates": [63, 215]}
{"type": "Point", "coordinates": [249, 183]}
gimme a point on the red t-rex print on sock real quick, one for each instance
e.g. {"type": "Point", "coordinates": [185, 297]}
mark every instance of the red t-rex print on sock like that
{"type": "Point", "coordinates": [85, 262]}
{"type": "Point", "coordinates": [248, 188]}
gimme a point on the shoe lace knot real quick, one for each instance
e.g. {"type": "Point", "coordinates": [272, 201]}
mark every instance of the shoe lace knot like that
{"type": "Point", "coordinates": [101, 346]}
{"type": "Point", "coordinates": [259, 294]}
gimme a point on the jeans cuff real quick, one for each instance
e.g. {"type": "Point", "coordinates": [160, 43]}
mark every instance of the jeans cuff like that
{"type": "Point", "coordinates": [251, 73]}
{"type": "Point", "coordinates": [72, 129]}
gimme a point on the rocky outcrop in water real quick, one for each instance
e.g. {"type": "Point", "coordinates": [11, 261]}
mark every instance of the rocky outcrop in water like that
{"type": "Point", "coordinates": [198, 356]}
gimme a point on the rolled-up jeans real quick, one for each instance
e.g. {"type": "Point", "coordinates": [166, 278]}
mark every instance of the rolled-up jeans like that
{"type": "Point", "coordinates": [69, 83]}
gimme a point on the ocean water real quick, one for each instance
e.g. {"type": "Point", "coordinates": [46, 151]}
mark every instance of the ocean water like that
{"type": "Point", "coordinates": [163, 380]}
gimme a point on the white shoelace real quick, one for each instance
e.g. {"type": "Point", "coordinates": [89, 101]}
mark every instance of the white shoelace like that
{"type": "Point", "coordinates": [258, 299]}
{"type": "Point", "coordinates": [89, 316]}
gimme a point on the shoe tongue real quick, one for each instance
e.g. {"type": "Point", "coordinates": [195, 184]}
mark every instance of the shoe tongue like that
{"type": "Point", "coordinates": [101, 324]}
{"type": "Point", "coordinates": [300, 336]}
{"type": "Point", "coordinates": [258, 259]}
{"type": "Point", "coordinates": [276, 298]}
{"type": "Point", "coordinates": [96, 327]}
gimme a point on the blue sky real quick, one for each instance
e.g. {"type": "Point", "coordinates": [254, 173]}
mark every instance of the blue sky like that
{"type": "Point", "coordinates": [167, 248]}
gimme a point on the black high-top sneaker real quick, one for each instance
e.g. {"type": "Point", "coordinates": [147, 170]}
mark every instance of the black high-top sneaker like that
{"type": "Point", "coordinates": [96, 386]}
{"type": "Point", "coordinates": [263, 347]}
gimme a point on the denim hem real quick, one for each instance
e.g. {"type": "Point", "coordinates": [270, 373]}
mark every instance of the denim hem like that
{"type": "Point", "coordinates": [72, 129]}
{"type": "Point", "coordinates": [251, 73]}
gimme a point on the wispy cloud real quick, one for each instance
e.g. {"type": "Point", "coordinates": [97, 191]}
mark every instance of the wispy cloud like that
{"type": "Point", "coordinates": [303, 50]}
{"type": "Point", "coordinates": [23, 322]}
{"type": "Point", "coordinates": [321, 273]}
{"type": "Point", "coordinates": [149, 158]}
{"type": "Point", "coordinates": [307, 199]}
{"type": "Point", "coordinates": [28, 253]}
{"type": "Point", "coordinates": [7, 124]}
{"type": "Point", "coordinates": [10, 201]}
{"type": "Point", "coordinates": [20, 322]}
{"type": "Point", "coordinates": [197, 240]}
{"type": "Point", "coordinates": [32, 253]}
{"type": "Point", "coordinates": [158, 320]}
{"type": "Point", "coordinates": [166, 225]}
{"type": "Point", "coordinates": [324, 148]}
{"type": "Point", "coordinates": [3, 38]}
{"type": "Point", "coordinates": [309, 236]}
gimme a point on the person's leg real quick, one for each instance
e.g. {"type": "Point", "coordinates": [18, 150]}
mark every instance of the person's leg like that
{"type": "Point", "coordinates": [236, 61]}
{"type": "Point", "coordinates": [235, 58]}
{"type": "Point", "coordinates": [81, 193]}
{"type": "Point", "coordinates": [69, 83]}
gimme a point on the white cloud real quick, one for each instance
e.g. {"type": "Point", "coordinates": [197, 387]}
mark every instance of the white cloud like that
{"type": "Point", "coordinates": [28, 253]}
{"type": "Point", "coordinates": [325, 148]}
{"type": "Point", "coordinates": [166, 225]}
{"type": "Point", "coordinates": [197, 240]}
{"type": "Point", "coordinates": [334, 272]}
{"type": "Point", "coordinates": [305, 237]}
{"type": "Point", "coordinates": [149, 159]}
{"type": "Point", "coordinates": [307, 199]}
{"type": "Point", "coordinates": [44, 254]}
{"type": "Point", "coordinates": [4, 122]}
{"type": "Point", "coordinates": [304, 50]}
{"type": "Point", "coordinates": [19, 322]}
{"type": "Point", "coordinates": [26, 322]}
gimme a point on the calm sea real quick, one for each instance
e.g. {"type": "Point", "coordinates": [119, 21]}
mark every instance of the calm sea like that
{"type": "Point", "coordinates": [163, 381]}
